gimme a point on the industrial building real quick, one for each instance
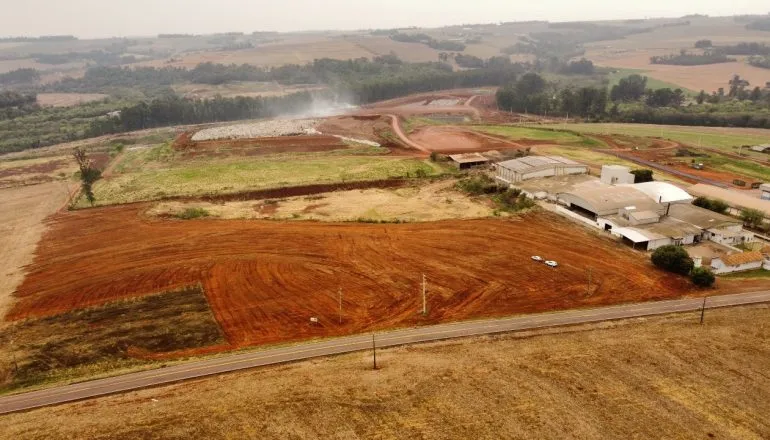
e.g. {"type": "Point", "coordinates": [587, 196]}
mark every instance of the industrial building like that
{"type": "Point", "coordinates": [764, 191]}
{"type": "Point", "coordinates": [531, 167]}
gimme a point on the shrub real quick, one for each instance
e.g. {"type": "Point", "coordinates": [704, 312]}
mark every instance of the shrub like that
{"type": "Point", "coordinates": [673, 259]}
{"type": "Point", "coordinates": [477, 185]}
{"type": "Point", "coordinates": [191, 213]}
{"type": "Point", "coordinates": [513, 200]}
{"type": "Point", "coordinates": [702, 277]}
{"type": "Point", "coordinates": [643, 175]}
{"type": "Point", "coordinates": [752, 217]}
{"type": "Point", "coordinates": [711, 204]}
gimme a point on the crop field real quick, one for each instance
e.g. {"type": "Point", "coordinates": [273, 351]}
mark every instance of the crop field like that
{"type": "Point", "coordinates": [264, 280]}
{"type": "Point", "coordinates": [114, 335]}
{"type": "Point", "coordinates": [661, 377]}
{"type": "Point", "coordinates": [161, 176]}
{"type": "Point", "coordinates": [725, 138]}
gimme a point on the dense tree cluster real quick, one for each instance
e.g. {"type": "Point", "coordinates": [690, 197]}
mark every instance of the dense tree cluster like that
{"type": "Point", "coordinates": [44, 38]}
{"type": "Point", "coordinates": [691, 59]}
{"type": "Point", "coordinates": [763, 62]}
{"type": "Point", "coordinates": [468, 61]}
{"type": "Point", "coordinates": [14, 104]}
{"type": "Point", "coordinates": [711, 204]}
{"type": "Point", "coordinates": [630, 88]}
{"type": "Point", "coordinates": [532, 94]}
{"type": "Point", "coordinates": [19, 76]}
{"type": "Point", "coordinates": [759, 25]}
{"type": "Point", "coordinates": [744, 49]}
{"type": "Point", "coordinates": [429, 41]}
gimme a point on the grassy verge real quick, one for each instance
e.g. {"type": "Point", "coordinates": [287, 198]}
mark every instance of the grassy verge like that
{"type": "Point", "coordinates": [758, 273]}
{"type": "Point", "coordinates": [83, 343]}
{"type": "Point", "coordinates": [553, 135]}
{"type": "Point", "coordinates": [158, 180]}
{"type": "Point", "coordinates": [727, 139]}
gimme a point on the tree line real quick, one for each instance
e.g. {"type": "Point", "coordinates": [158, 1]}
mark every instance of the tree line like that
{"type": "Point", "coordinates": [685, 58]}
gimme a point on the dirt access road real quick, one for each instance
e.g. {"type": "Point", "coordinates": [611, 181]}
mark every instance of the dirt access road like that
{"type": "Point", "coordinates": [273, 356]}
{"type": "Point", "coordinates": [265, 279]}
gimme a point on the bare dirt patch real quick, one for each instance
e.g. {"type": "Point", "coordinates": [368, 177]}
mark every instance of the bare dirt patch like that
{"type": "Point", "coordinates": [456, 140]}
{"type": "Point", "coordinates": [22, 211]}
{"type": "Point", "coordinates": [524, 386]}
{"type": "Point", "coordinates": [264, 280]}
{"type": "Point", "coordinates": [33, 171]}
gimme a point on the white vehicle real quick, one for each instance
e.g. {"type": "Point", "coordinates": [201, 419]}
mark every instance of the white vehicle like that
{"type": "Point", "coordinates": [551, 263]}
{"type": "Point", "coordinates": [537, 258]}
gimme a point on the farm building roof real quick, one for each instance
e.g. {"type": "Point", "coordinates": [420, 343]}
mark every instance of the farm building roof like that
{"type": "Point", "coordinates": [529, 163]}
{"type": "Point", "coordinates": [468, 158]}
{"type": "Point", "coordinates": [732, 198]}
{"type": "Point", "coordinates": [671, 227]}
{"type": "Point", "coordinates": [663, 192]}
{"type": "Point", "coordinates": [742, 258]}
{"type": "Point", "coordinates": [611, 198]}
{"type": "Point", "coordinates": [637, 235]}
{"type": "Point", "coordinates": [700, 217]}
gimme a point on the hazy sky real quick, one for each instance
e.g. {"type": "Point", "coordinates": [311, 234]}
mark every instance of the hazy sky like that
{"type": "Point", "coordinates": [104, 18]}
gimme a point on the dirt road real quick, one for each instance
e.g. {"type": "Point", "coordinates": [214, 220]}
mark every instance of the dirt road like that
{"type": "Point", "coordinates": [279, 355]}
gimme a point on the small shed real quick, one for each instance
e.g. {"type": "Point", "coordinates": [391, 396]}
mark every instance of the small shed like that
{"type": "Point", "coordinates": [737, 262]}
{"type": "Point", "coordinates": [469, 160]}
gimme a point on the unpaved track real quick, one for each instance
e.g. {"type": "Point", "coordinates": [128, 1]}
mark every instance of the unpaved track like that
{"type": "Point", "coordinates": [395, 124]}
{"type": "Point", "coordinates": [191, 370]}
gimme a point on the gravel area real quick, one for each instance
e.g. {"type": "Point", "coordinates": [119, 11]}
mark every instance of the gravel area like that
{"type": "Point", "coordinates": [276, 127]}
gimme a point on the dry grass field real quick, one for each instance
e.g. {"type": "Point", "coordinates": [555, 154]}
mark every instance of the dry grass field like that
{"type": "Point", "coordinates": [634, 52]}
{"type": "Point", "coordinates": [655, 378]}
{"type": "Point", "coordinates": [431, 202]}
{"type": "Point", "coordinates": [67, 99]}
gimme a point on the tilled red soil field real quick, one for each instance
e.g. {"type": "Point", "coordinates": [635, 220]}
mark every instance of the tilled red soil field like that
{"type": "Point", "coordinates": [257, 146]}
{"type": "Point", "coordinates": [265, 280]}
{"type": "Point", "coordinates": [456, 140]}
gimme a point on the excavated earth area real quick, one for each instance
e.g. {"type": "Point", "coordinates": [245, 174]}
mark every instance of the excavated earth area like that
{"type": "Point", "coordinates": [264, 280]}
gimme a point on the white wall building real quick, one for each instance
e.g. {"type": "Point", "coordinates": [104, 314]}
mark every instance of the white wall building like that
{"type": "Point", "coordinates": [616, 175]}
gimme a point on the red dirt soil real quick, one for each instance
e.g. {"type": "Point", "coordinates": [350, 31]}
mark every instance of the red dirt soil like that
{"type": "Point", "coordinates": [457, 140]}
{"type": "Point", "coordinates": [265, 279]}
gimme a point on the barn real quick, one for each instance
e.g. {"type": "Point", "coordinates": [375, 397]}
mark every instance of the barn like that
{"type": "Point", "coordinates": [468, 160]}
{"type": "Point", "coordinates": [531, 167]}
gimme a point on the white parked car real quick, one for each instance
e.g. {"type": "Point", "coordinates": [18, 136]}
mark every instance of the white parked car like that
{"type": "Point", "coordinates": [551, 263]}
{"type": "Point", "coordinates": [537, 258]}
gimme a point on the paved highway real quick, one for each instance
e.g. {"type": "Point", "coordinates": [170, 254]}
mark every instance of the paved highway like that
{"type": "Point", "coordinates": [195, 369]}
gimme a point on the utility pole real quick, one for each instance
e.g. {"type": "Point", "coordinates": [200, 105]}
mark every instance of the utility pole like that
{"type": "Point", "coordinates": [340, 296]}
{"type": "Point", "coordinates": [424, 300]}
{"type": "Point", "coordinates": [374, 353]}
{"type": "Point", "coordinates": [703, 310]}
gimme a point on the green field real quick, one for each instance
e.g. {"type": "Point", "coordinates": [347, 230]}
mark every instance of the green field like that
{"type": "Point", "coordinates": [154, 174]}
{"type": "Point", "coordinates": [722, 138]}
{"type": "Point", "coordinates": [540, 134]}
{"type": "Point", "coordinates": [617, 74]}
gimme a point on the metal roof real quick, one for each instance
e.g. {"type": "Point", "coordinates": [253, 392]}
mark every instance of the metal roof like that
{"type": "Point", "coordinates": [663, 192]}
{"type": "Point", "coordinates": [468, 158]}
{"type": "Point", "coordinates": [700, 217]}
{"type": "Point", "coordinates": [524, 164]}
{"type": "Point", "coordinates": [637, 235]}
{"type": "Point", "coordinates": [615, 197]}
